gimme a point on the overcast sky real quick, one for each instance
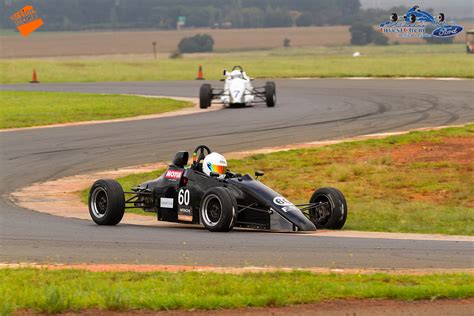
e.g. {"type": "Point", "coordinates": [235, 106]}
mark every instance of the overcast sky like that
{"type": "Point", "coordinates": [451, 8]}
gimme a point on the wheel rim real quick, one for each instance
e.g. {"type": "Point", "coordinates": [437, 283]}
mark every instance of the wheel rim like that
{"type": "Point", "coordinates": [99, 202]}
{"type": "Point", "coordinates": [211, 210]}
{"type": "Point", "coordinates": [320, 215]}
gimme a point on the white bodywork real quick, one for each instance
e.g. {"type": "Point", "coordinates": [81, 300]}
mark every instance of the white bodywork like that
{"type": "Point", "coordinates": [237, 88]}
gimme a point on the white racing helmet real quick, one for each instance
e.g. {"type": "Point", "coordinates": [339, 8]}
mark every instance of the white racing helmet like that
{"type": "Point", "coordinates": [214, 162]}
{"type": "Point", "coordinates": [236, 74]}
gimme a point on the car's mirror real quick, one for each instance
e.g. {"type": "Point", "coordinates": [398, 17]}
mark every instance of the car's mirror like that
{"type": "Point", "coordinates": [181, 159]}
{"type": "Point", "coordinates": [259, 173]}
{"type": "Point", "coordinates": [224, 72]}
{"type": "Point", "coordinates": [215, 174]}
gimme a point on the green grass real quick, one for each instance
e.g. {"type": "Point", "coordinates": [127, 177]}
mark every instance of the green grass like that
{"type": "Point", "coordinates": [58, 291]}
{"type": "Point", "coordinates": [390, 61]}
{"type": "Point", "coordinates": [5, 32]}
{"type": "Point", "coordinates": [383, 194]}
{"type": "Point", "coordinates": [24, 109]}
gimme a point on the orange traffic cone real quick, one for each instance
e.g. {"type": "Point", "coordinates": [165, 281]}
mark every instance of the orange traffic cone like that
{"type": "Point", "coordinates": [34, 79]}
{"type": "Point", "coordinates": [200, 75]}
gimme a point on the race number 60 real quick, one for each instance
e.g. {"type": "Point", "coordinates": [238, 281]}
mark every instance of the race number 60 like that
{"type": "Point", "coordinates": [183, 197]}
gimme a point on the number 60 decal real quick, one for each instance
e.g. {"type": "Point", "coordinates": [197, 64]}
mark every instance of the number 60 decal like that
{"type": "Point", "coordinates": [183, 197]}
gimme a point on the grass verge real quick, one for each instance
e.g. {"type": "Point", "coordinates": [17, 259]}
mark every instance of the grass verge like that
{"type": "Point", "coordinates": [390, 61]}
{"type": "Point", "coordinates": [419, 182]}
{"type": "Point", "coordinates": [25, 109]}
{"type": "Point", "coordinates": [57, 291]}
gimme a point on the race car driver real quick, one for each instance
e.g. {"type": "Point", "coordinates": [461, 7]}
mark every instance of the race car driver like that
{"type": "Point", "coordinates": [214, 162]}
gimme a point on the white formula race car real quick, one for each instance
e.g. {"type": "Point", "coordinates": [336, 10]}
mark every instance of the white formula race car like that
{"type": "Point", "coordinates": [238, 91]}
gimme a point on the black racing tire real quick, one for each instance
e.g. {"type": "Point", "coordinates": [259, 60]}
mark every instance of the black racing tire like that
{"type": "Point", "coordinates": [218, 210]}
{"type": "Point", "coordinates": [393, 17]}
{"type": "Point", "coordinates": [106, 202]}
{"type": "Point", "coordinates": [412, 18]}
{"type": "Point", "coordinates": [335, 215]}
{"type": "Point", "coordinates": [270, 94]}
{"type": "Point", "coordinates": [441, 17]}
{"type": "Point", "coordinates": [205, 96]}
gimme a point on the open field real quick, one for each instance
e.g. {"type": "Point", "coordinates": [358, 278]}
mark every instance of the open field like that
{"type": "Point", "coordinates": [420, 182]}
{"type": "Point", "coordinates": [42, 44]}
{"type": "Point", "coordinates": [57, 291]}
{"type": "Point", "coordinates": [25, 109]}
{"type": "Point", "coordinates": [391, 61]}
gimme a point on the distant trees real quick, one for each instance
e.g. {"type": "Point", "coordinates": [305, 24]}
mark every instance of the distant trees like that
{"type": "Point", "coordinates": [196, 44]}
{"type": "Point", "coordinates": [363, 34]}
{"type": "Point", "coordinates": [278, 18]}
{"type": "Point", "coordinates": [305, 19]}
{"type": "Point", "coordinates": [163, 14]}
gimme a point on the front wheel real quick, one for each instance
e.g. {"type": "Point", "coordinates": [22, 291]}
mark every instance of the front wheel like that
{"type": "Point", "coordinates": [330, 210]}
{"type": "Point", "coordinates": [205, 96]}
{"type": "Point", "coordinates": [218, 210]}
{"type": "Point", "coordinates": [106, 202]}
{"type": "Point", "coordinates": [270, 94]}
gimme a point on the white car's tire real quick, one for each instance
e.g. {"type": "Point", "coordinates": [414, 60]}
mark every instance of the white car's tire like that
{"type": "Point", "coordinates": [270, 94]}
{"type": "Point", "coordinates": [205, 96]}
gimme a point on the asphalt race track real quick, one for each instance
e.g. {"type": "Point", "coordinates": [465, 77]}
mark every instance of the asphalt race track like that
{"type": "Point", "coordinates": [307, 110]}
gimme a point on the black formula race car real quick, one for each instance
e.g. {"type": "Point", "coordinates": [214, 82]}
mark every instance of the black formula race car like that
{"type": "Point", "coordinates": [187, 195]}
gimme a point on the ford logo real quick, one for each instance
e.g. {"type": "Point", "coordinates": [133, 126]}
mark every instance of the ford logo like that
{"type": "Point", "coordinates": [447, 31]}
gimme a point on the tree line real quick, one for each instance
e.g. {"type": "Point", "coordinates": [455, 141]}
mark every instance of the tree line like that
{"type": "Point", "coordinates": [64, 15]}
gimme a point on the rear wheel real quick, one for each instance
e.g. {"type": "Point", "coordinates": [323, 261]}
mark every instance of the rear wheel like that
{"type": "Point", "coordinates": [393, 17]}
{"type": "Point", "coordinates": [441, 17]}
{"type": "Point", "coordinates": [205, 96]}
{"type": "Point", "coordinates": [412, 18]}
{"type": "Point", "coordinates": [270, 94]}
{"type": "Point", "coordinates": [331, 210]}
{"type": "Point", "coordinates": [218, 209]}
{"type": "Point", "coordinates": [106, 202]}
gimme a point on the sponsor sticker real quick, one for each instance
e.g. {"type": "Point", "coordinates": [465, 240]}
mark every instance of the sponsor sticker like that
{"type": "Point", "coordinates": [166, 203]}
{"type": "Point", "coordinates": [185, 214]}
{"type": "Point", "coordinates": [173, 174]}
{"type": "Point", "coordinates": [281, 201]}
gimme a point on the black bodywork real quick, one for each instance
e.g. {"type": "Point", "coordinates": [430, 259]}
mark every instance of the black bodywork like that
{"type": "Point", "coordinates": [176, 197]}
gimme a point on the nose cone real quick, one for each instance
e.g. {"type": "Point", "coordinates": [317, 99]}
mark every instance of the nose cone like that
{"type": "Point", "coordinates": [303, 223]}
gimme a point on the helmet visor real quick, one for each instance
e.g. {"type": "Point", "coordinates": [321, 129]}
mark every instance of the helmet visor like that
{"type": "Point", "coordinates": [216, 168]}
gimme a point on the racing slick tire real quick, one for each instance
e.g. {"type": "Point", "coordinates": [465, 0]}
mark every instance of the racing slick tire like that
{"type": "Point", "coordinates": [441, 17]}
{"type": "Point", "coordinates": [412, 18]}
{"type": "Point", "coordinates": [106, 202]}
{"type": "Point", "coordinates": [335, 214]}
{"type": "Point", "coordinates": [218, 210]}
{"type": "Point", "coordinates": [270, 94]}
{"type": "Point", "coordinates": [393, 17]}
{"type": "Point", "coordinates": [205, 96]}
